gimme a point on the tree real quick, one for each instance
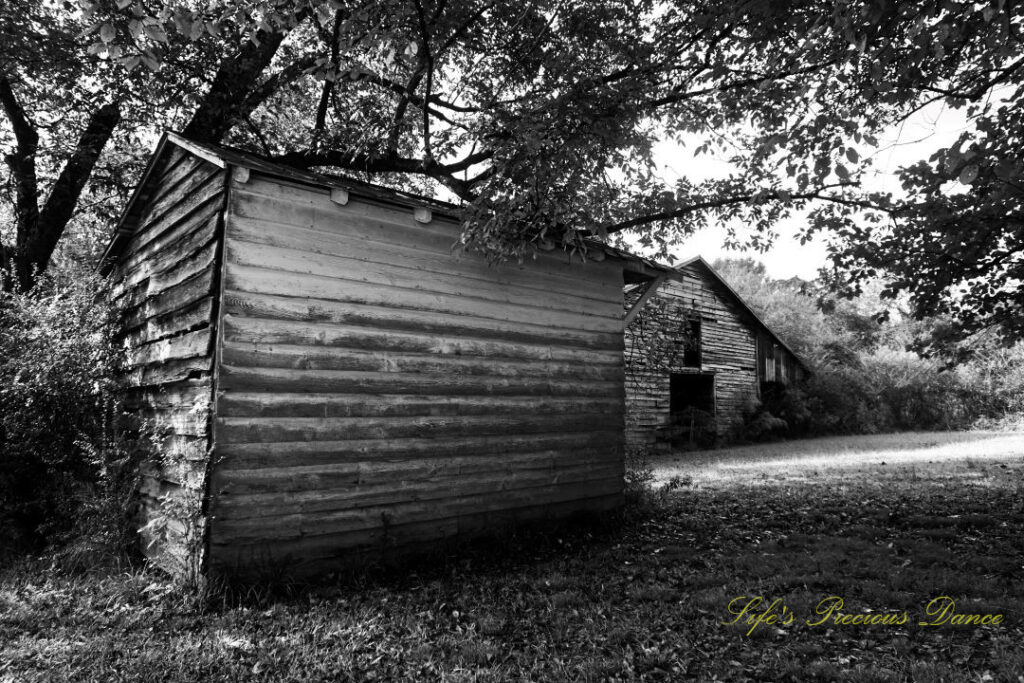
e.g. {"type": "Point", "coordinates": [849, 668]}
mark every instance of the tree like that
{"type": "Point", "coordinates": [958, 252]}
{"type": "Point", "coordinates": [954, 241]}
{"type": "Point", "coordinates": [66, 101]}
{"type": "Point", "coordinates": [541, 117]}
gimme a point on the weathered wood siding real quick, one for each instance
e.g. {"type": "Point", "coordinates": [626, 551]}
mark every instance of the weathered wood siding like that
{"type": "Point", "coordinates": [727, 349]}
{"type": "Point", "coordinates": [376, 391]}
{"type": "Point", "coordinates": [775, 363]}
{"type": "Point", "coordinates": [165, 282]}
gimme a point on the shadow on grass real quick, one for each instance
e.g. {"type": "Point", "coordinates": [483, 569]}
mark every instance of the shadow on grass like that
{"type": "Point", "coordinates": [645, 599]}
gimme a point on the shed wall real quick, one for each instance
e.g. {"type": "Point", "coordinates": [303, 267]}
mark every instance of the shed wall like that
{"type": "Point", "coordinates": [377, 392]}
{"type": "Point", "coordinates": [728, 350]}
{"type": "Point", "coordinates": [165, 284]}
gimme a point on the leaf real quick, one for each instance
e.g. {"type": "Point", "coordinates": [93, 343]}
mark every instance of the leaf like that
{"type": "Point", "coordinates": [107, 33]}
{"type": "Point", "coordinates": [842, 172]}
{"type": "Point", "coordinates": [968, 174]}
{"type": "Point", "coordinates": [121, 4]}
{"type": "Point", "coordinates": [156, 33]}
{"type": "Point", "coordinates": [852, 155]}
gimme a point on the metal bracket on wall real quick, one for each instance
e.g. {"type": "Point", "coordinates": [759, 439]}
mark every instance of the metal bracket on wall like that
{"type": "Point", "coordinates": [339, 196]}
{"type": "Point", "coordinates": [422, 214]}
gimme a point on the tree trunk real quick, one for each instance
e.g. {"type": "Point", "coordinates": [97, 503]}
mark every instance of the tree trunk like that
{"type": "Point", "coordinates": [39, 230]}
{"type": "Point", "coordinates": [229, 98]}
{"type": "Point", "coordinates": [34, 255]}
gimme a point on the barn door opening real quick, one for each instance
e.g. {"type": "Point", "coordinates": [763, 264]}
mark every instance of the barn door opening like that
{"type": "Point", "coordinates": [691, 390]}
{"type": "Point", "coordinates": [692, 409]}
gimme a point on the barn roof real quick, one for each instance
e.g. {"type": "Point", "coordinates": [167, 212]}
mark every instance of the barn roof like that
{"type": "Point", "coordinates": [700, 262]}
{"type": "Point", "coordinates": [638, 268]}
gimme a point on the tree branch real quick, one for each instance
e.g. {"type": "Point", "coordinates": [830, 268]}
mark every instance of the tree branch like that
{"type": "Point", "coordinates": [722, 202]}
{"type": "Point", "coordinates": [391, 163]}
{"type": "Point", "coordinates": [320, 124]}
{"type": "Point", "coordinates": [734, 85]}
{"type": "Point", "coordinates": [428, 64]}
{"type": "Point", "coordinates": [60, 204]}
{"type": "Point", "coordinates": [233, 94]}
{"type": "Point", "coordinates": [22, 162]}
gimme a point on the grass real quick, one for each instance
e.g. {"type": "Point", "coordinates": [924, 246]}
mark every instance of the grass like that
{"type": "Point", "coordinates": [887, 523]}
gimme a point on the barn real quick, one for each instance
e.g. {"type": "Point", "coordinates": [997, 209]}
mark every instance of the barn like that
{"type": "Point", "coordinates": [698, 360]}
{"type": "Point", "coordinates": [330, 380]}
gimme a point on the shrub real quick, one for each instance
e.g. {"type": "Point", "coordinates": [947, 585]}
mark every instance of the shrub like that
{"type": "Point", "coordinates": [691, 428]}
{"type": "Point", "coordinates": [67, 452]}
{"type": "Point", "coordinates": [886, 390]}
{"type": "Point", "coordinates": [639, 475]}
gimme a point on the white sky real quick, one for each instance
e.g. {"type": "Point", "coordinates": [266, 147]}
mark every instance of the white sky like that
{"type": "Point", "coordinates": [926, 131]}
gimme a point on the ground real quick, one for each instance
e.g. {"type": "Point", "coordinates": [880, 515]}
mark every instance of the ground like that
{"type": "Point", "coordinates": [887, 523]}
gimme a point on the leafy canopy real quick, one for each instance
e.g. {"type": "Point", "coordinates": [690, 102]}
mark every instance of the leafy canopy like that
{"type": "Point", "coordinates": [541, 117]}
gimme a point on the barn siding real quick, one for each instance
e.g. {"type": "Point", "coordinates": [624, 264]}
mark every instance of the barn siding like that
{"type": "Point", "coordinates": [165, 288]}
{"type": "Point", "coordinates": [728, 350]}
{"type": "Point", "coordinates": [375, 391]}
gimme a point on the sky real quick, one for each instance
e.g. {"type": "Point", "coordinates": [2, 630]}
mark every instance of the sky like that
{"type": "Point", "coordinates": [931, 128]}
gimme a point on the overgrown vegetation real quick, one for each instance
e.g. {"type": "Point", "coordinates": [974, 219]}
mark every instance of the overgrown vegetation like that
{"type": "Point", "coordinates": [888, 527]}
{"type": "Point", "coordinates": [867, 375]}
{"type": "Point", "coordinates": [67, 450]}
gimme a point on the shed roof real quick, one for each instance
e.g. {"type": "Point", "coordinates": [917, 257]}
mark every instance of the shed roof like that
{"type": "Point", "coordinates": [638, 267]}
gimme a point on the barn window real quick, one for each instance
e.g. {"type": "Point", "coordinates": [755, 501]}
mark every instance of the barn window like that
{"type": "Point", "coordinates": [691, 343]}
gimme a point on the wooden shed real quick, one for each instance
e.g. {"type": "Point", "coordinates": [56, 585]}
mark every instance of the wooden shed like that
{"type": "Point", "coordinates": [697, 358]}
{"type": "Point", "coordinates": [333, 380]}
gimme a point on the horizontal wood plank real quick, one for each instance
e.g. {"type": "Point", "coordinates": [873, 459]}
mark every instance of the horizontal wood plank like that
{"type": "Point", "coordinates": [319, 335]}
{"type": "Point", "coordinates": [260, 280]}
{"type": "Point", "coordinates": [239, 404]}
{"type": "Point", "coordinates": [246, 305]}
{"type": "Point", "coordinates": [315, 453]}
{"type": "Point", "coordinates": [415, 263]}
{"type": "Point", "coordinates": [265, 430]}
{"type": "Point", "coordinates": [234, 378]}
{"type": "Point", "coordinates": [338, 358]}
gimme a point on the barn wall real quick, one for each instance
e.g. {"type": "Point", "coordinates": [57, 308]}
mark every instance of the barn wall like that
{"type": "Point", "coordinates": [165, 280]}
{"type": "Point", "coordinates": [727, 349]}
{"type": "Point", "coordinates": [377, 392]}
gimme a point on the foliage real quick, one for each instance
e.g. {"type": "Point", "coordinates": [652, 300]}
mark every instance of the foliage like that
{"type": "Point", "coordinates": [864, 379]}
{"type": "Point", "coordinates": [540, 118]}
{"type": "Point", "coordinates": [692, 428]}
{"type": "Point", "coordinates": [68, 453]}
{"type": "Point", "coordinates": [885, 530]}
{"type": "Point", "coordinates": [638, 476]}
{"type": "Point", "coordinates": [957, 251]}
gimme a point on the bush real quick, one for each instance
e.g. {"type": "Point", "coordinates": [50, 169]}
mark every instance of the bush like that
{"type": "Point", "coordinates": [67, 453]}
{"type": "Point", "coordinates": [639, 475]}
{"type": "Point", "coordinates": [691, 428]}
{"type": "Point", "coordinates": [885, 391]}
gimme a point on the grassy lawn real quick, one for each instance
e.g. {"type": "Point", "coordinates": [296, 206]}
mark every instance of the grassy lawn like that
{"type": "Point", "coordinates": [886, 523]}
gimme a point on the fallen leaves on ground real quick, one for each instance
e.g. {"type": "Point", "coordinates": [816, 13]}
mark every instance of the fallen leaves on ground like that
{"type": "Point", "coordinates": [641, 600]}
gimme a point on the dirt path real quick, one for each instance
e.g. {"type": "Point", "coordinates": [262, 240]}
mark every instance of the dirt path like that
{"type": "Point", "coordinates": [836, 456]}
